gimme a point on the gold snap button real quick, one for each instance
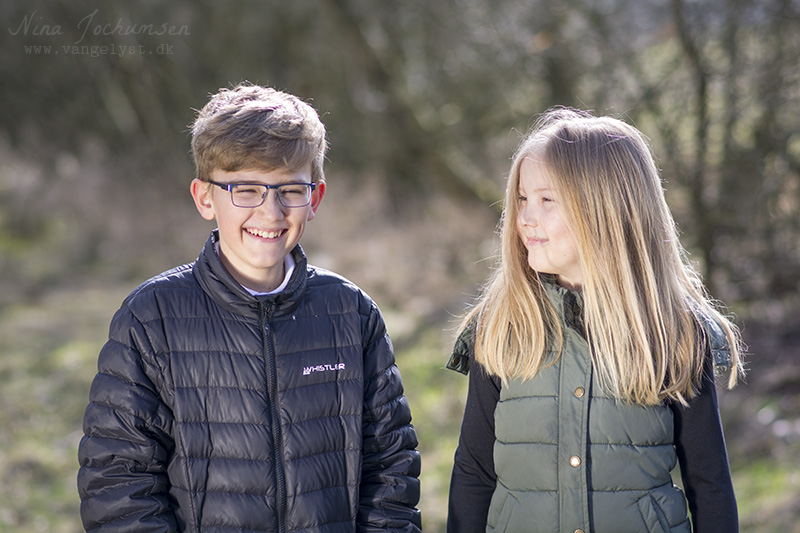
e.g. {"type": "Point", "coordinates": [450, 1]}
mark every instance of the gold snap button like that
{"type": "Point", "coordinates": [579, 392]}
{"type": "Point", "coordinates": [575, 461]}
{"type": "Point", "coordinates": [578, 531]}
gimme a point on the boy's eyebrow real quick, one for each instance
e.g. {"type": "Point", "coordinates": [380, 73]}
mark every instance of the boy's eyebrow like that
{"type": "Point", "coordinates": [287, 182]}
{"type": "Point", "coordinates": [277, 181]}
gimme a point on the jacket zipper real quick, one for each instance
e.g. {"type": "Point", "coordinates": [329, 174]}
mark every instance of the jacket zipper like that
{"type": "Point", "coordinates": [268, 350]}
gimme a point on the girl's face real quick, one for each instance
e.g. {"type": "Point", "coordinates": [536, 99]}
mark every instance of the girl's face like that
{"type": "Point", "coordinates": [541, 226]}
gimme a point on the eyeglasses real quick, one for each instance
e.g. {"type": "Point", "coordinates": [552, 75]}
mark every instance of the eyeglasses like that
{"type": "Point", "coordinates": [254, 194]}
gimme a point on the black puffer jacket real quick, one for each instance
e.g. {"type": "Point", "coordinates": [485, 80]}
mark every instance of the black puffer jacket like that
{"type": "Point", "coordinates": [217, 411]}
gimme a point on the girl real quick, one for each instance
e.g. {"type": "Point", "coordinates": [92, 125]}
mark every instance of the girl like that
{"type": "Point", "coordinates": [595, 346]}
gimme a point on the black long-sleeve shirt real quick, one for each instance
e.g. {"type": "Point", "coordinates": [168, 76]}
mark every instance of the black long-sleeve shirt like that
{"type": "Point", "coordinates": [699, 443]}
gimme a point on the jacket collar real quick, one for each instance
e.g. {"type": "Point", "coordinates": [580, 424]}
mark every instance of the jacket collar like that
{"type": "Point", "coordinates": [220, 285]}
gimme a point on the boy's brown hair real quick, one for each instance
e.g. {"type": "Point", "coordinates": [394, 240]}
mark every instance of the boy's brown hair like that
{"type": "Point", "coordinates": [259, 128]}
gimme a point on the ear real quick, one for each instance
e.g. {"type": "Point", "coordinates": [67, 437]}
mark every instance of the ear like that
{"type": "Point", "coordinates": [201, 193]}
{"type": "Point", "coordinates": [316, 199]}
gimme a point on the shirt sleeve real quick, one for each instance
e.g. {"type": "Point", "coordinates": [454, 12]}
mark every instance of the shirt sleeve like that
{"type": "Point", "coordinates": [473, 480]}
{"type": "Point", "coordinates": [703, 459]}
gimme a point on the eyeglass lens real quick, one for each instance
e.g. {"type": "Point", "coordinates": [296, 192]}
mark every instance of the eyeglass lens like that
{"type": "Point", "coordinates": [253, 195]}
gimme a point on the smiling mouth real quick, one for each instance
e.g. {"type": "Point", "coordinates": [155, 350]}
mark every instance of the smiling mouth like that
{"type": "Point", "coordinates": [533, 241]}
{"type": "Point", "coordinates": [274, 234]}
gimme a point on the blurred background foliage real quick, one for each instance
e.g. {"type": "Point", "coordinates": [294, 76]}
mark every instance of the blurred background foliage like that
{"type": "Point", "coordinates": [424, 103]}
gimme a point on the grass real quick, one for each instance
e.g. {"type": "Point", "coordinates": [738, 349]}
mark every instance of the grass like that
{"type": "Point", "coordinates": [49, 352]}
{"type": "Point", "coordinates": [49, 349]}
{"type": "Point", "coordinates": [437, 398]}
{"type": "Point", "coordinates": [768, 494]}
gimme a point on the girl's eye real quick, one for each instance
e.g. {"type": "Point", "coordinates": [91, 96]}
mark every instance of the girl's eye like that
{"type": "Point", "coordinates": [521, 198]}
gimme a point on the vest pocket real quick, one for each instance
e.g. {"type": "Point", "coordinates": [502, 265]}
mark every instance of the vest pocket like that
{"type": "Point", "coordinates": [653, 516]}
{"type": "Point", "coordinates": [523, 511]}
{"type": "Point", "coordinates": [499, 511]}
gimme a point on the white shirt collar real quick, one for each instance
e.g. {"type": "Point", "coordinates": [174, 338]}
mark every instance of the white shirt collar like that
{"type": "Point", "coordinates": [288, 264]}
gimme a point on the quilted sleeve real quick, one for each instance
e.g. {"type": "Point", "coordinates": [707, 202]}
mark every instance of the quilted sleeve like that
{"type": "Point", "coordinates": [123, 455]}
{"type": "Point", "coordinates": [389, 490]}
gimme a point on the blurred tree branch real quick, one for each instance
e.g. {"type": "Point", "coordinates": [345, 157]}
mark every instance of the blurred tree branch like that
{"type": "Point", "coordinates": [421, 97]}
{"type": "Point", "coordinates": [421, 151]}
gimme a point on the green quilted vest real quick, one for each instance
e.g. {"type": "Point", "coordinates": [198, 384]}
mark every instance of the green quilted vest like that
{"type": "Point", "coordinates": [571, 459]}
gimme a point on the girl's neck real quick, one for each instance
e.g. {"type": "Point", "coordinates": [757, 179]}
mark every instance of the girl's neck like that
{"type": "Point", "coordinates": [575, 287]}
{"type": "Point", "coordinates": [561, 282]}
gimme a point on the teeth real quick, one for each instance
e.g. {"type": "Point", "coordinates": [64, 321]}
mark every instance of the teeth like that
{"type": "Point", "coordinates": [264, 234]}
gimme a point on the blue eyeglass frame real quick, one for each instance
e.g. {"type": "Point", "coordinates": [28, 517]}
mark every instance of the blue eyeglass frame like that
{"type": "Point", "coordinates": [229, 187]}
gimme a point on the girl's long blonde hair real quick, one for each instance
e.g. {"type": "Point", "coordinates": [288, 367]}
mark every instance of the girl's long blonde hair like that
{"type": "Point", "coordinates": [644, 304]}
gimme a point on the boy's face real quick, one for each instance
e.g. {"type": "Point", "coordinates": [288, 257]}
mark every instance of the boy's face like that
{"type": "Point", "coordinates": [254, 241]}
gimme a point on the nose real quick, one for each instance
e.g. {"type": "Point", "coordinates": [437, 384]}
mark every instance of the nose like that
{"type": "Point", "coordinates": [271, 208]}
{"type": "Point", "coordinates": [527, 215]}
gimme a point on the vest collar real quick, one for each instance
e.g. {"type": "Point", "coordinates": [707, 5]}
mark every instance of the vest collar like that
{"type": "Point", "coordinates": [568, 303]}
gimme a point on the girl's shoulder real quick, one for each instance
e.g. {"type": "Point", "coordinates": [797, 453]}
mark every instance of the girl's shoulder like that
{"type": "Point", "coordinates": [463, 350]}
{"type": "Point", "coordinates": [717, 343]}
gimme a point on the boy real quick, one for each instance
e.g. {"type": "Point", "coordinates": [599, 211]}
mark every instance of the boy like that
{"type": "Point", "coordinates": [249, 391]}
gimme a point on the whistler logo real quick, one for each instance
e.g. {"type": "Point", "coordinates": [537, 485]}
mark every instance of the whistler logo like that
{"type": "Point", "coordinates": [322, 368]}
